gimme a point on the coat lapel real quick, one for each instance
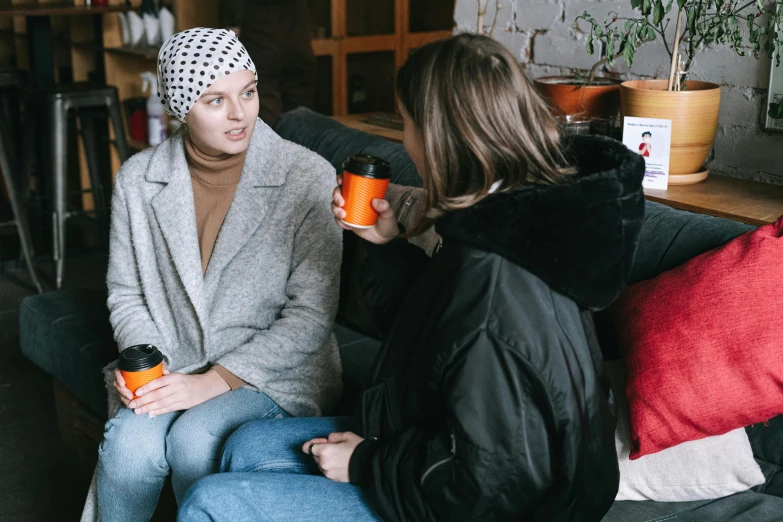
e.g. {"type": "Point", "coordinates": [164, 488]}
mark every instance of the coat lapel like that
{"type": "Point", "coordinates": [176, 215]}
{"type": "Point", "coordinates": [251, 202]}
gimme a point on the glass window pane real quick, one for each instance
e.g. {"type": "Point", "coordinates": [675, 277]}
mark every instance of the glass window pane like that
{"type": "Point", "coordinates": [321, 16]}
{"type": "Point", "coordinates": [431, 15]}
{"type": "Point", "coordinates": [369, 17]}
{"type": "Point", "coordinates": [323, 85]}
{"type": "Point", "coordinates": [371, 82]}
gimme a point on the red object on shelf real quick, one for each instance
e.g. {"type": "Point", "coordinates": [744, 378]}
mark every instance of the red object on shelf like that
{"type": "Point", "coordinates": [136, 115]}
{"type": "Point", "coordinates": [100, 3]}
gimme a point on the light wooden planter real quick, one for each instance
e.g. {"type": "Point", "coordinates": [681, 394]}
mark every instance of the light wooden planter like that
{"type": "Point", "coordinates": [694, 115]}
{"type": "Point", "coordinates": [584, 101]}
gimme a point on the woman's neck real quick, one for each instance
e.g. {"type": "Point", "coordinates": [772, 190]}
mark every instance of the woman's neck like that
{"type": "Point", "coordinates": [211, 168]}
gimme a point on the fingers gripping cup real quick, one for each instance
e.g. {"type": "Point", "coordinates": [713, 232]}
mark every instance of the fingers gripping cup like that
{"type": "Point", "coordinates": [365, 178]}
{"type": "Point", "coordinates": [139, 365]}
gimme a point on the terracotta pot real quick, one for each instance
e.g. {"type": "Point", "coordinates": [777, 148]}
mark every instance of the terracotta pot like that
{"type": "Point", "coordinates": [599, 100]}
{"type": "Point", "coordinates": [694, 115]}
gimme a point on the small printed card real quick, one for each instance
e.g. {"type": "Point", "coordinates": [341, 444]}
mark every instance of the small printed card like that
{"type": "Point", "coordinates": [651, 138]}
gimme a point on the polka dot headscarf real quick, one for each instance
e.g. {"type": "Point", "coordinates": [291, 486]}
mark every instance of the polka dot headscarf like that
{"type": "Point", "coordinates": [190, 61]}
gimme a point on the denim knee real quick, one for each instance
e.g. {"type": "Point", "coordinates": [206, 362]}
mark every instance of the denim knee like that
{"type": "Point", "coordinates": [133, 446]}
{"type": "Point", "coordinates": [190, 444]}
{"type": "Point", "coordinates": [236, 446]}
{"type": "Point", "coordinates": [201, 498]}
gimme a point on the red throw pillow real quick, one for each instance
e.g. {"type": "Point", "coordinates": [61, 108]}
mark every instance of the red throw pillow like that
{"type": "Point", "coordinates": [703, 343]}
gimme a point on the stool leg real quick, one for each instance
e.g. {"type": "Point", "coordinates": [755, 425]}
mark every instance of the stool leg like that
{"type": "Point", "coordinates": [28, 139]}
{"type": "Point", "coordinates": [59, 169]}
{"type": "Point", "coordinates": [90, 137]}
{"type": "Point", "coordinates": [18, 211]}
{"type": "Point", "coordinates": [28, 150]}
{"type": "Point", "coordinates": [120, 139]}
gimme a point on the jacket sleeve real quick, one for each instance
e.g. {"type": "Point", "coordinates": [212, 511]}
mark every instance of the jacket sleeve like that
{"type": "Point", "coordinates": [388, 275]}
{"type": "Point", "coordinates": [304, 324]}
{"type": "Point", "coordinates": [493, 455]}
{"type": "Point", "coordinates": [128, 312]}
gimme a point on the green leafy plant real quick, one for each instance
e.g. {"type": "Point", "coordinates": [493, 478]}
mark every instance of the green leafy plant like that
{"type": "Point", "coordinates": [776, 111]}
{"type": "Point", "coordinates": [747, 26]}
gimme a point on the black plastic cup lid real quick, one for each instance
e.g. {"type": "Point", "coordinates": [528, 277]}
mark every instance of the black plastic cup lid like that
{"type": "Point", "coordinates": [367, 166]}
{"type": "Point", "coordinates": [140, 357]}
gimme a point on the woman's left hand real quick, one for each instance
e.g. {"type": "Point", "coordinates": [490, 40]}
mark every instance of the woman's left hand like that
{"type": "Point", "coordinates": [333, 455]}
{"type": "Point", "coordinates": [177, 391]}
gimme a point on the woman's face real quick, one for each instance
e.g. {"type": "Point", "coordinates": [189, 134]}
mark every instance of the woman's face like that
{"type": "Point", "coordinates": [413, 141]}
{"type": "Point", "coordinates": [223, 119]}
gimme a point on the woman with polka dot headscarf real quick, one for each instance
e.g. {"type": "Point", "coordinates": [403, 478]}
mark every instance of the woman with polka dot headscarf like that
{"type": "Point", "coordinates": [224, 255]}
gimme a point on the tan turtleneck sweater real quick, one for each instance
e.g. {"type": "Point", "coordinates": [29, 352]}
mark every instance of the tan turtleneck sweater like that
{"type": "Point", "coordinates": [215, 180]}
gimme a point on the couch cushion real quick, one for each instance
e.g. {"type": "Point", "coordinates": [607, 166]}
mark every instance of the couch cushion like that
{"type": "Point", "coordinates": [700, 361]}
{"type": "Point", "coordinates": [670, 237]}
{"type": "Point", "coordinates": [335, 142]}
{"type": "Point", "coordinates": [749, 506]}
{"type": "Point", "coordinates": [68, 335]}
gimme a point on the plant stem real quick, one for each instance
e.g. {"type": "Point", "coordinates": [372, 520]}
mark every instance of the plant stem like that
{"type": "Point", "coordinates": [498, 7]}
{"type": "Point", "coordinates": [675, 53]}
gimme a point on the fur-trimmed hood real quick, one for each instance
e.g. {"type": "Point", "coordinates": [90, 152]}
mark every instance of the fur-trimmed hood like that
{"type": "Point", "coordinates": [579, 237]}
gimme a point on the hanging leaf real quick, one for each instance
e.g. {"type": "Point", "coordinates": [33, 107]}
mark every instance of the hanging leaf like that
{"type": "Point", "coordinates": [658, 12]}
{"type": "Point", "coordinates": [636, 3]}
{"type": "Point", "coordinates": [646, 7]}
{"type": "Point", "coordinates": [590, 47]}
{"type": "Point", "coordinates": [692, 21]}
{"type": "Point", "coordinates": [681, 3]}
{"type": "Point", "coordinates": [650, 33]}
{"type": "Point", "coordinates": [628, 53]}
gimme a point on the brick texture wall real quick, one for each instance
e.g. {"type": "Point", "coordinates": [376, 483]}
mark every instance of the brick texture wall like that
{"type": "Point", "coordinates": [542, 35]}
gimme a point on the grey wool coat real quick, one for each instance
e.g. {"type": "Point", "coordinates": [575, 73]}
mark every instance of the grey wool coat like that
{"type": "Point", "coordinates": [264, 309]}
{"type": "Point", "coordinates": [265, 306]}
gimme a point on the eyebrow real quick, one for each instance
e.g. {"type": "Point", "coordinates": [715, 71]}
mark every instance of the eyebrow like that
{"type": "Point", "coordinates": [218, 93]}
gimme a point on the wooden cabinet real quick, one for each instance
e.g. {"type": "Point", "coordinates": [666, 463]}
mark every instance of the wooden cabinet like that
{"type": "Point", "coordinates": [360, 44]}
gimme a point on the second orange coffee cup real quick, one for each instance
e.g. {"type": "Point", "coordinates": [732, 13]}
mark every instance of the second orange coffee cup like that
{"type": "Point", "coordinates": [365, 178]}
{"type": "Point", "coordinates": [139, 365]}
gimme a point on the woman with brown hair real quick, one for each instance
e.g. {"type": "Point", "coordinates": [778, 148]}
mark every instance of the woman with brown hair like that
{"type": "Point", "coordinates": [485, 401]}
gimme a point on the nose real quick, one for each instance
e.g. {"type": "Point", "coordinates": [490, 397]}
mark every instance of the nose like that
{"type": "Point", "coordinates": [236, 111]}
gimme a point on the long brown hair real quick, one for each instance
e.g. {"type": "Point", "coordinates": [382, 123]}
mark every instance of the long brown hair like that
{"type": "Point", "coordinates": [482, 121]}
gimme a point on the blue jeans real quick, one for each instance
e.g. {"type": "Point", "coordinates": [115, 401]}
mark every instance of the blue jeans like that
{"type": "Point", "coordinates": [271, 479]}
{"type": "Point", "coordinates": [138, 452]}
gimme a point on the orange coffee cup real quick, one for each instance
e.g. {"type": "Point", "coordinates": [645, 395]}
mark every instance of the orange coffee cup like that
{"type": "Point", "coordinates": [365, 178]}
{"type": "Point", "coordinates": [139, 365]}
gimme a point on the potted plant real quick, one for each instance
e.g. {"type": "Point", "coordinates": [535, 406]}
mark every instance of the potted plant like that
{"type": "Point", "coordinates": [746, 26]}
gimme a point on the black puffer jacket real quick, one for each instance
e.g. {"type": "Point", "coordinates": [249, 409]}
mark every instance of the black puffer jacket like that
{"type": "Point", "coordinates": [485, 402]}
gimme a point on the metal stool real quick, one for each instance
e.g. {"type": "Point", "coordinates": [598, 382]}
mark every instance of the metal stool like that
{"type": "Point", "coordinates": [12, 83]}
{"type": "Point", "coordinates": [59, 103]}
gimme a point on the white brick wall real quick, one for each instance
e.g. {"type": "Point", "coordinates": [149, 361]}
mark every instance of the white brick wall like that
{"type": "Point", "coordinates": [541, 34]}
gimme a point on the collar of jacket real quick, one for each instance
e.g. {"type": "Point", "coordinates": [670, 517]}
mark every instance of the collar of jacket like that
{"type": "Point", "coordinates": [165, 165]}
{"type": "Point", "coordinates": [579, 237]}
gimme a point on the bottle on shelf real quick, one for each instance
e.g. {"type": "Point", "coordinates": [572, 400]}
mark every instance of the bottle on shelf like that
{"type": "Point", "coordinates": [157, 128]}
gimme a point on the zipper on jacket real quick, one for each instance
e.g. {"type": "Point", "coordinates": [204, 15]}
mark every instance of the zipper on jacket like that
{"type": "Point", "coordinates": [444, 461]}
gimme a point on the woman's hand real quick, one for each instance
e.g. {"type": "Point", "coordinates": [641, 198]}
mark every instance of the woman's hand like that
{"type": "Point", "coordinates": [333, 455]}
{"type": "Point", "coordinates": [385, 228]}
{"type": "Point", "coordinates": [119, 384]}
{"type": "Point", "coordinates": [177, 391]}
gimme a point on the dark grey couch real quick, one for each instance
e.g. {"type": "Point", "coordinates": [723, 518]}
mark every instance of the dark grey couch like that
{"type": "Point", "coordinates": [68, 333]}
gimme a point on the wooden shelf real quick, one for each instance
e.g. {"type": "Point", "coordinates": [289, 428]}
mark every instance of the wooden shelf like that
{"type": "Point", "coordinates": [740, 200]}
{"type": "Point", "coordinates": [359, 122]}
{"type": "Point", "coordinates": [148, 53]}
{"type": "Point", "coordinates": [59, 9]}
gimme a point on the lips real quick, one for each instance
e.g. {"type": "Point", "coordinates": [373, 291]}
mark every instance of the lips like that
{"type": "Point", "coordinates": [236, 134]}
